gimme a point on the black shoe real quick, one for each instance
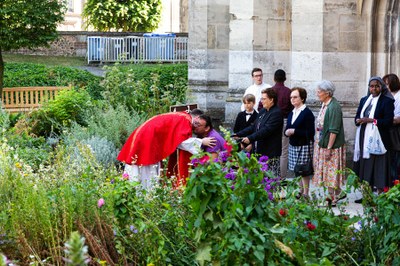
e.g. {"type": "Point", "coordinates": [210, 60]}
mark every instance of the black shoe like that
{"type": "Point", "coordinates": [358, 201]}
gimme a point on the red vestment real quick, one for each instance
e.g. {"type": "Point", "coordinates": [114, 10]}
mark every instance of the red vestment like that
{"type": "Point", "coordinates": [158, 138]}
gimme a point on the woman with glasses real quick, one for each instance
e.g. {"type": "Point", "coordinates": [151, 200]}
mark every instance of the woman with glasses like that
{"type": "Point", "coordinates": [300, 129]}
{"type": "Point", "coordinates": [329, 150]}
{"type": "Point", "coordinates": [265, 135]}
{"type": "Point", "coordinates": [371, 162]}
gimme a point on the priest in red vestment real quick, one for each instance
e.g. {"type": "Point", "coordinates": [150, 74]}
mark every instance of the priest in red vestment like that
{"type": "Point", "coordinates": [155, 140]}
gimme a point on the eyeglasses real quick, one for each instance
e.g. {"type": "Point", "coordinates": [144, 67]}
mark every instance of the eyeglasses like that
{"type": "Point", "coordinates": [197, 124]}
{"type": "Point", "coordinates": [375, 86]}
{"type": "Point", "coordinates": [257, 76]}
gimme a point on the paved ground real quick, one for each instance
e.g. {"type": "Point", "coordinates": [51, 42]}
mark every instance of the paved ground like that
{"type": "Point", "coordinates": [95, 70]}
{"type": "Point", "coordinates": [348, 204]}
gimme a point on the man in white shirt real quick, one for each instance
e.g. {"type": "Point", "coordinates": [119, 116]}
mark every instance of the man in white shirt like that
{"type": "Point", "coordinates": [257, 87]}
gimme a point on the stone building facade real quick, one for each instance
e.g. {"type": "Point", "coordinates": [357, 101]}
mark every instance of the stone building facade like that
{"type": "Point", "coordinates": [345, 41]}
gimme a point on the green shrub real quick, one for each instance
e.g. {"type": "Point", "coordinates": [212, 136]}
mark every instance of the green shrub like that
{"type": "Point", "coordinates": [76, 250]}
{"type": "Point", "coordinates": [69, 106]}
{"type": "Point", "coordinates": [240, 218]}
{"type": "Point", "coordinates": [27, 74]}
{"type": "Point", "coordinates": [41, 209]}
{"type": "Point", "coordinates": [147, 90]}
{"type": "Point", "coordinates": [151, 227]}
{"type": "Point", "coordinates": [35, 151]}
{"type": "Point", "coordinates": [113, 124]}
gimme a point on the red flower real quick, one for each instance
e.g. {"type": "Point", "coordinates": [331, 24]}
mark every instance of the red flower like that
{"type": "Point", "coordinates": [204, 159]}
{"type": "Point", "coordinates": [376, 219]}
{"type": "Point", "coordinates": [310, 226]}
{"type": "Point", "coordinates": [396, 182]}
{"type": "Point", "coordinates": [283, 212]}
{"type": "Point", "coordinates": [385, 189]}
{"type": "Point", "coordinates": [228, 148]}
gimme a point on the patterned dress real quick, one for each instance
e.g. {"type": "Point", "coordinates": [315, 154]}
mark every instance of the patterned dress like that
{"type": "Point", "coordinates": [328, 173]}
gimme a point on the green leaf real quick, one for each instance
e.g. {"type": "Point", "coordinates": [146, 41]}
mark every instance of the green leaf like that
{"type": "Point", "coordinates": [203, 253]}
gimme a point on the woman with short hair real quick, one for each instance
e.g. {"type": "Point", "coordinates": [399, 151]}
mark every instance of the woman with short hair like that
{"type": "Point", "coordinates": [330, 150]}
{"type": "Point", "coordinates": [300, 129]}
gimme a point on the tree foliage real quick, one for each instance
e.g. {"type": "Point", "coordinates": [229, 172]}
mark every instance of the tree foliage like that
{"type": "Point", "coordinates": [28, 24]}
{"type": "Point", "coordinates": [125, 15]}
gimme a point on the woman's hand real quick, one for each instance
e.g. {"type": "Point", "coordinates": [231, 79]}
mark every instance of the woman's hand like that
{"type": "Point", "coordinates": [328, 153]}
{"type": "Point", "coordinates": [289, 132]}
{"type": "Point", "coordinates": [208, 142]}
{"type": "Point", "coordinates": [364, 120]}
{"type": "Point", "coordinates": [248, 148]}
{"type": "Point", "coordinates": [246, 140]}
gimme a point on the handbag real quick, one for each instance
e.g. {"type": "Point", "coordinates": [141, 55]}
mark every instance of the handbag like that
{"type": "Point", "coordinates": [394, 133]}
{"type": "Point", "coordinates": [304, 169]}
{"type": "Point", "coordinates": [375, 144]}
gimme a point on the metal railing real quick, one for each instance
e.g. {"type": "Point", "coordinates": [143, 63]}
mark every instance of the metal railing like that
{"type": "Point", "coordinates": [137, 49]}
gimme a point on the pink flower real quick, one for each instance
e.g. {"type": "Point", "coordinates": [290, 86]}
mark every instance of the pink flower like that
{"type": "Point", "coordinates": [125, 176]}
{"type": "Point", "coordinates": [205, 159]}
{"type": "Point", "coordinates": [228, 148]}
{"type": "Point", "coordinates": [100, 203]}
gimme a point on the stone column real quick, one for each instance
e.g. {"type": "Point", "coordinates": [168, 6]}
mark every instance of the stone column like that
{"type": "Point", "coordinates": [241, 54]}
{"type": "Point", "coordinates": [208, 55]}
{"type": "Point", "coordinates": [307, 42]}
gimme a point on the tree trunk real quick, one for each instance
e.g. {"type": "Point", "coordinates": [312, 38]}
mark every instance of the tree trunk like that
{"type": "Point", "coordinates": [1, 74]}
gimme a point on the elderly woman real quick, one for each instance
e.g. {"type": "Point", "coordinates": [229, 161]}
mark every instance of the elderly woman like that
{"type": "Point", "coordinates": [265, 134]}
{"type": "Point", "coordinates": [300, 129]}
{"type": "Point", "coordinates": [329, 150]}
{"type": "Point", "coordinates": [376, 109]}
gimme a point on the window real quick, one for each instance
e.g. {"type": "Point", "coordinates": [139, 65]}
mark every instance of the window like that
{"type": "Point", "coordinates": [70, 5]}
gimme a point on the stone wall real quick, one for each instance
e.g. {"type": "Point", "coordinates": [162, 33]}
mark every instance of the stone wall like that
{"type": "Point", "coordinates": [74, 43]}
{"type": "Point", "coordinates": [345, 41]}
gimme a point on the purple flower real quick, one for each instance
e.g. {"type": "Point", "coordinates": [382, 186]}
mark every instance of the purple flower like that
{"type": "Point", "coordinates": [248, 155]}
{"type": "Point", "coordinates": [216, 160]}
{"type": "Point", "coordinates": [245, 170]}
{"type": "Point", "coordinates": [224, 156]}
{"type": "Point", "coordinates": [112, 181]}
{"type": "Point", "coordinates": [263, 159]}
{"type": "Point", "coordinates": [264, 167]}
{"type": "Point", "coordinates": [195, 161]}
{"type": "Point", "coordinates": [353, 239]}
{"type": "Point", "coordinates": [230, 175]}
{"type": "Point", "coordinates": [248, 181]}
{"type": "Point", "coordinates": [233, 187]}
{"type": "Point", "coordinates": [270, 195]}
{"type": "Point", "coordinates": [133, 229]}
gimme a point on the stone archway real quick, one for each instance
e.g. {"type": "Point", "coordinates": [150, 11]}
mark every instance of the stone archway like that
{"type": "Point", "coordinates": [384, 21]}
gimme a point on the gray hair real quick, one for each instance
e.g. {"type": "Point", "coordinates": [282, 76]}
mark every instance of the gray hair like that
{"type": "Point", "coordinates": [326, 85]}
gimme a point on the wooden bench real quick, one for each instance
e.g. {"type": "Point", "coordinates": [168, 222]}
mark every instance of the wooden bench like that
{"type": "Point", "coordinates": [24, 99]}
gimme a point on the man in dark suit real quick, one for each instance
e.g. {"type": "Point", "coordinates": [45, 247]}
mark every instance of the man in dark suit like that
{"type": "Point", "coordinates": [265, 135]}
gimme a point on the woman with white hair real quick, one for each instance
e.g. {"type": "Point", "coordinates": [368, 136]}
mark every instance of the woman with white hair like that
{"type": "Point", "coordinates": [330, 150]}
